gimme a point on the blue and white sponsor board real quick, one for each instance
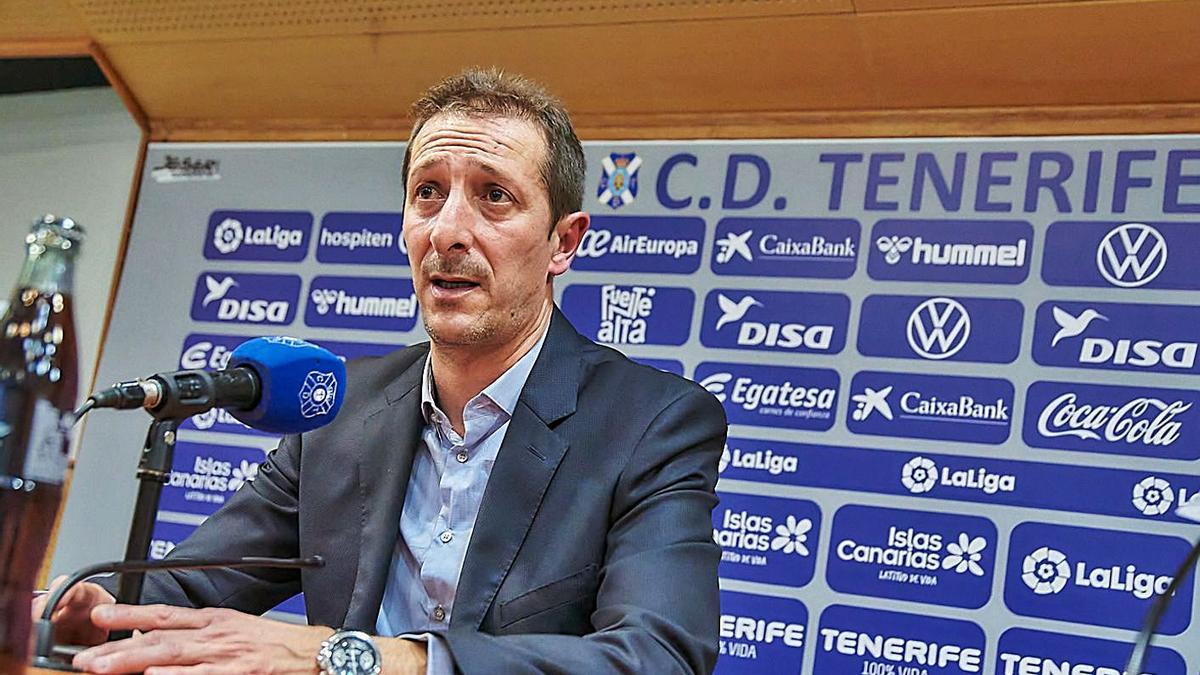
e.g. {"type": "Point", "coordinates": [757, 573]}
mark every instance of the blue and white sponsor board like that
{"type": "Point", "coordinates": [957, 251]}
{"type": "Point", "coordinates": [240, 297]}
{"type": "Point", "coordinates": [660, 244]}
{"type": "Point", "coordinates": [1149, 338]}
{"type": "Point", "coordinates": [854, 640]}
{"type": "Point", "coordinates": [1113, 419]}
{"type": "Point", "coordinates": [165, 536]}
{"type": "Point", "coordinates": [1123, 254]}
{"type": "Point", "coordinates": [203, 351]}
{"type": "Point", "coordinates": [781, 321]}
{"type": "Point", "coordinates": [1093, 576]}
{"type": "Point", "coordinates": [362, 238]}
{"type": "Point", "coordinates": [630, 315]}
{"type": "Point", "coordinates": [258, 235]}
{"type": "Point", "coordinates": [922, 556]}
{"type": "Point", "coordinates": [824, 248]}
{"type": "Point", "coordinates": [761, 634]}
{"type": "Point", "coordinates": [772, 396]}
{"type": "Point", "coordinates": [1034, 652]}
{"type": "Point", "coordinates": [204, 476]}
{"type": "Point", "coordinates": [767, 539]}
{"type": "Point", "coordinates": [366, 303]}
{"type": "Point", "coordinates": [941, 328]}
{"type": "Point", "coordinates": [939, 407]}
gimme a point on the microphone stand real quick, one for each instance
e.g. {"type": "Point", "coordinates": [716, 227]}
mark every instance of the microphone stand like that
{"type": "Point", "coordinates": [154, 471]}
{"type": "Point", "coordinates": [45, 649]}
{"type": "Point", "coordinates": [1141, 647]}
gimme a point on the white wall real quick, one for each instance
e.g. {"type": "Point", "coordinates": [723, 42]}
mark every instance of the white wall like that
{"type": "Point", "coordinates": [68, 153]}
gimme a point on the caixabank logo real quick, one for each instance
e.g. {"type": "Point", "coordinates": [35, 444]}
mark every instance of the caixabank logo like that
{"type": "Point", "coordinates": [936, 558]}
{"type": "Point", "coordinates": [367, 303]}
{"type": "Point", "coordinates": [941, 407]}
{"type": "Point", "coordinates": [852, 640]}
{"type": "Point", "coordinates": [204, 477]}
{"type": "Point", "coordinates": [808, 323]}
{"type": "Point", "coordinates": [966, 251]}
{"type": "Point", "coordinates": [233, 297]}
{"type": "Point", "coordinates": [941, 328]}
{"type": "Point", "coordinates": [1091, 576]}
{"type": "Point", "coordinates": [659, 244]}
{"type": "Point", "coordinates": [765, 461]}
{"type": "Point", "coordinates": [362, 238]}
{"type": "Point", "coordinates": [630, 314]}
{"type": "Point", "coordinates": [772, 396]}
{"type": "Point", "coordinates": [1110, 419]}
{"type": "Point", "coordinates": [1122, 255]}
{"type": "Point", "coordinates": [258, 235]}
{"type": "Point", "coordinates": [766, 539]}
{"type": "Point", "coordinates": [761, 634]}
{"type": "Point", "coordinates": [1033, 652]}
{"type": "Point", "coordinates": [824, 248]}
{"type": "Point", "coordinates": [1118, 336]}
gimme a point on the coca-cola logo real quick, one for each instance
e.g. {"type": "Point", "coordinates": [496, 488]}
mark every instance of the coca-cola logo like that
{"type": "Point", "coordinates": [1143, 420]}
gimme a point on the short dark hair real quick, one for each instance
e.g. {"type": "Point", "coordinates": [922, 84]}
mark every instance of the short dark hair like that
{"type": "Point", "coordinates": [492, 92]}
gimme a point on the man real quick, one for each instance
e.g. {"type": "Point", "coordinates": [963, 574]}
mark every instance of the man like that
{"type": "Point", "coordinates": [510, 497]}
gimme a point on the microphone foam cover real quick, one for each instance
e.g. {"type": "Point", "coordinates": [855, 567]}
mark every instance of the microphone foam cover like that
{"type": "Point", "coordinates": [303, 385]}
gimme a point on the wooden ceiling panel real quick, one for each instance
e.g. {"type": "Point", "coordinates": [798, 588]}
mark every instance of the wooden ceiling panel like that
{"type": "Point", "coordinates": [870, 6]}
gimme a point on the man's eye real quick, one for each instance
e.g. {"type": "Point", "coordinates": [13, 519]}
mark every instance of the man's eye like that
{"type": "Point", "coordinates": [496, 195]}
{"type": "Point", "coordinates": [426, 192]}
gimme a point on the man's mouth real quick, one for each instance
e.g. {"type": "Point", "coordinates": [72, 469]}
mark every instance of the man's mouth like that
{"type": "Point", "coordinates": [452, 284]}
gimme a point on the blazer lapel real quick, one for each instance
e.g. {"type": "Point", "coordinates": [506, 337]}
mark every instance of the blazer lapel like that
{"type": "Point", "coordinates": [527, 460]}
{"type": "Point", "coordinates": [390, 438]}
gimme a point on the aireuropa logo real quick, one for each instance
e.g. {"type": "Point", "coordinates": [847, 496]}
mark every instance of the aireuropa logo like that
{"type": "Point", "coordinates": [362, 238]}
{"type": "Point", "coordinates": [1135, 421]}
{"type": "Point", "coordinates": [775, 321]}
{"type": "Point", "coordinates": [756, 457]}
{"type": "Point", "coordinates": [204, 477]}
{"type": "Point", "coordinates": [1112, 336]}
{"type": "Point", "coordinates": [940, 328]}
{"type": "Point", "coordinates": [938, 558]}
{"type": "Point", "coordinates": [630, 315]}
{"type": "Point", "coordinates": [920, 475]}
{"type": "Point", "coordinates": [766, 539]}
{"type": "Point", "coordinates": [773, 396]}
{"type": "Point", "coordinates": [369, 303]}
{"type": "Point", "coordinates": [990, 252]}
{"type": "Point", "coordinates": [786, 247]}
{"type": "Point", "coordinates": [1029, 652]}
{"type": "Point", "coordinates": [1094, 576]}
{"type": "Point", "coordinates": [618, 179]}
{"type": "Point", "coordinates": [857, 640]}
{"type": "Point", "coordinates": [1119, 254]}
{"type": "Point", "coordinates": [228, 297]}
{"type": "Point", "coordinates": [659, 244]}
{"type": "Point", "coordinates": [942, 407]}
{"type": "Point", "coordinates": [258, 235]}
{"type": "Point", "coordinates": [760, 634]}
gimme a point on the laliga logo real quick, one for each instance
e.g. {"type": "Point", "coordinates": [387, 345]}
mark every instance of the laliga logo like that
{"type": "Point", "coordinates": [919, 475]}
{"type": "Point", "coordinates": [317, 394]}
{"type": "Point", "coordinates": [228, 236]}
{"type": "Point", "coordinates": [938, 328]}
{"type": "Point", "coordinates": [721, 466]}
{"type": "Point", "coordinates": [1145, 353]}
{"type": "Point", "coordinates": [1153, 496]}
{"type": "Point", "coordinates": [1045, 571]}
{"type": "Point", "coordinates": [1141, 256]}
{"type": "Point", "coordinates": [893, 248]}
{"type": "Point", "coordinates": [734, 244]}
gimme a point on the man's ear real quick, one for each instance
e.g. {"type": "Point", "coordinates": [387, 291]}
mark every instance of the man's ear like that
{"type": "Point", "coordinates": [565, 238]}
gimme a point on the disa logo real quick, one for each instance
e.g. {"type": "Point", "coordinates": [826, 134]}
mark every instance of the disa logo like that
{"type": "Point", "coordinates": [1158, 338]}
{"type": "Point", "coordinates": [245, 298]}
{"type": "Point", "coordinates": [775, 320]}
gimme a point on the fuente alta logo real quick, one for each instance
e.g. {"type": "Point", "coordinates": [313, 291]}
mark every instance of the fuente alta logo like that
{"type": "Point", "coordinates": [921, 474]}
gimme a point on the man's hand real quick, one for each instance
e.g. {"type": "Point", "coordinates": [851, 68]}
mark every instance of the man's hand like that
{"type": "Point", "coordinates": [73, 616]}
{"type": "Point", "coordinates": [179, 640]}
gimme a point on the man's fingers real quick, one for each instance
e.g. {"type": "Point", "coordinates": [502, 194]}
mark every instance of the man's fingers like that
{"type": "Point", "coordinates": [149, 617]}
{"type": "Point", "coordinates": [136, 654]}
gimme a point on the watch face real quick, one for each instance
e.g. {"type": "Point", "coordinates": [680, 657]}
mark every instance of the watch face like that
{"type": "Point", "coordinates": [352, 655]}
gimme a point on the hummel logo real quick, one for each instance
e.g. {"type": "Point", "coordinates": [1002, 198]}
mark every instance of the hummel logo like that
{"type": "Point", "coordinates": [1070, 326]}
{"type": "Point", "coordinates": [734, 243]}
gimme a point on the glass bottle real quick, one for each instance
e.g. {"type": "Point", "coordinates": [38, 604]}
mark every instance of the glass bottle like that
{"type": "Point", "coordinates": [39, 382]}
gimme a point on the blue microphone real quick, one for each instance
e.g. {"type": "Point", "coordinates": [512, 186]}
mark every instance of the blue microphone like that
{"type": "Point", "coordinates": [281, 385]}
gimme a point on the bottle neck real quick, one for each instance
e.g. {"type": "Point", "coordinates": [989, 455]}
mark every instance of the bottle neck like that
{"type": "Point", "coordinates": [48, 269]}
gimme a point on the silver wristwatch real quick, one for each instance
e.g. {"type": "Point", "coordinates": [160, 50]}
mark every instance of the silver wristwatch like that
{"type": "Point", "coordinates": [348, 652]}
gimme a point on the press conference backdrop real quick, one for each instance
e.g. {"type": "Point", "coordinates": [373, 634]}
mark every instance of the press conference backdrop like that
{"type": "Point", "coordinates": [960, 373]}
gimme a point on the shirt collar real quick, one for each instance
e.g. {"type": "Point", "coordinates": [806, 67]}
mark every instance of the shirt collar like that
{"type": "Point", "coordinates": [504, 391]}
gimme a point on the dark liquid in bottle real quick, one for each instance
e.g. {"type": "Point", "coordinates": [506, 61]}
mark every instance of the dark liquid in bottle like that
{"type": "Point", "coordinates": [38, 388]}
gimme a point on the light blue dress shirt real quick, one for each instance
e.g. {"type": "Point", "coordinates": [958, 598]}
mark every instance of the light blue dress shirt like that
{"type": "Point", "coordinates": [445, 489]}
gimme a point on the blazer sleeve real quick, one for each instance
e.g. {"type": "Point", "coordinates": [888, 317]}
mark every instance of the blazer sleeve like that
{"type": "Point", "coordinates": [658, 605]}
{"type": "Point", "coordinates": [259, 520]}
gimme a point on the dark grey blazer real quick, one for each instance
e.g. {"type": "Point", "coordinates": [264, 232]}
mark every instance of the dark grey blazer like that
{"type": "Point", "coordinates": [593, 549]}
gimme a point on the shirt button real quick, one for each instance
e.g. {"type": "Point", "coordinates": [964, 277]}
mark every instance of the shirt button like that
{"type": "Point", "coordinates": [461, 456]}
{"type": "Point", "coordinates": [446, 536]}
{"type": "Point", "coordinates": [439, 613]}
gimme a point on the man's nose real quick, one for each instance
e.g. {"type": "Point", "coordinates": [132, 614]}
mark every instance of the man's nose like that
{"type": "Point", "coordinates": [453, 227]}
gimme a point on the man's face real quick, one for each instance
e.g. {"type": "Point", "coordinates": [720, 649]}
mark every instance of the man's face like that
{"type": "Point", "coordinates": [476, 219]}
